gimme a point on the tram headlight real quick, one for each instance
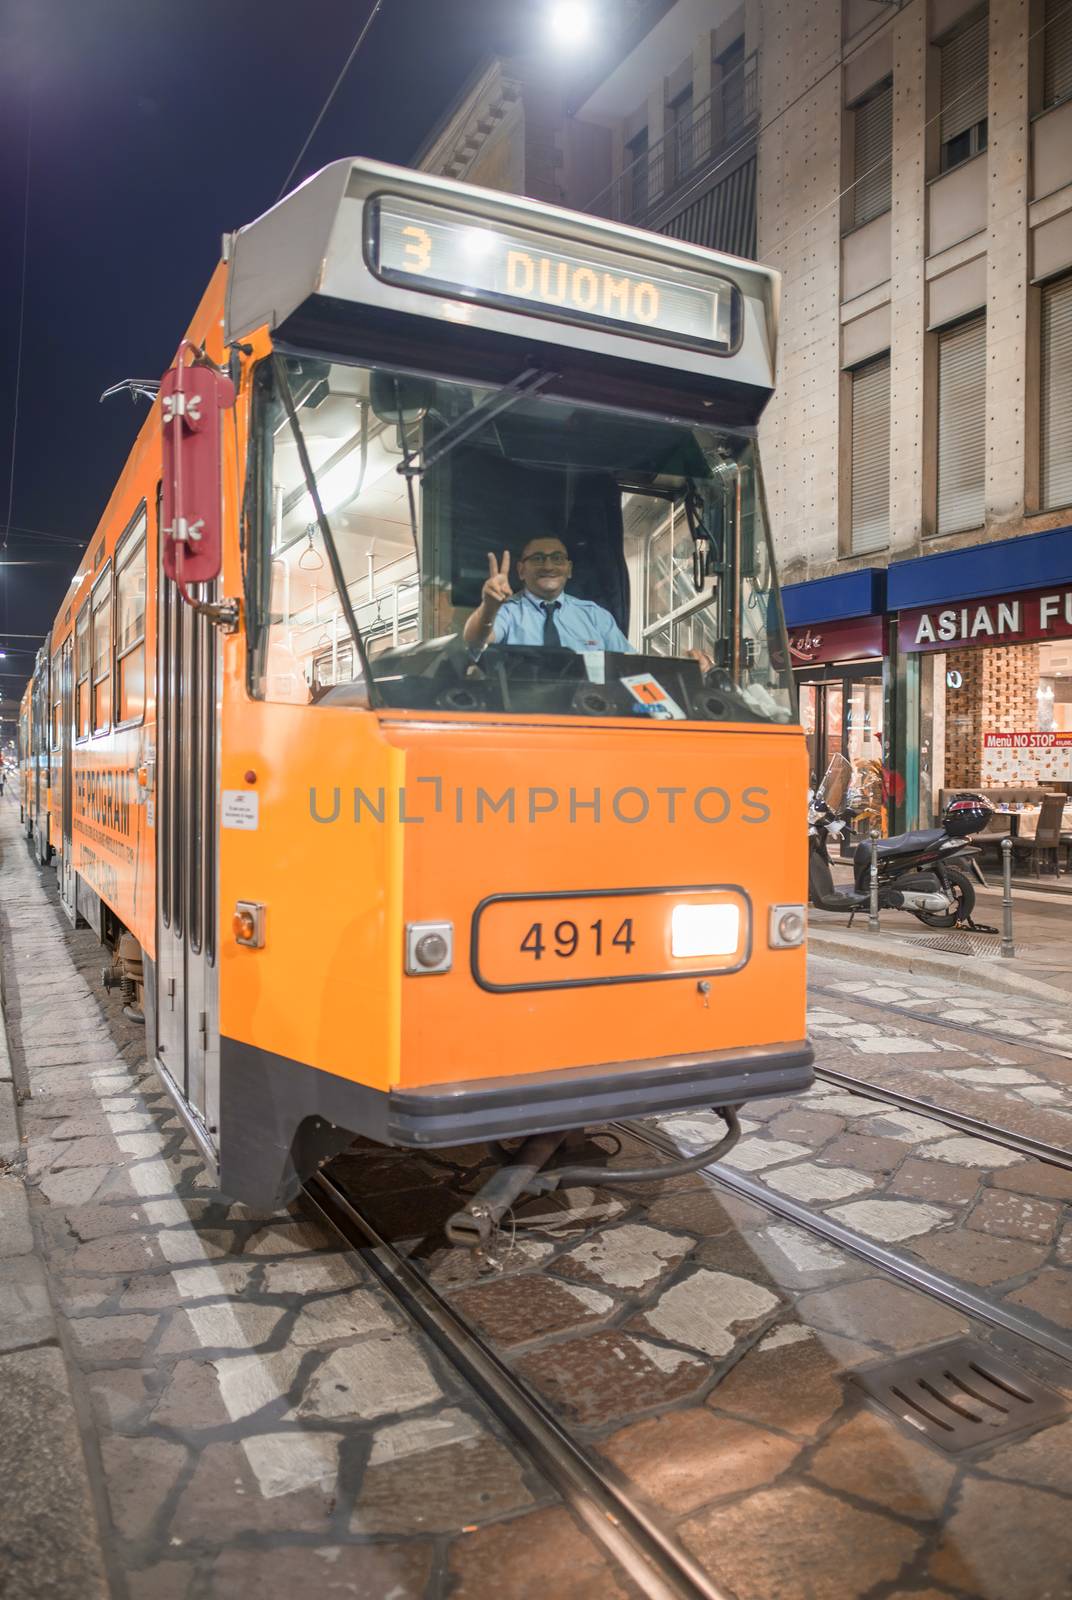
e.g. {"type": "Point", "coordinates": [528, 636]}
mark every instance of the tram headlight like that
{"type": "Point", "coordinates": [787, 927]}
{"type": "Point", "coordinates": [712, 930]}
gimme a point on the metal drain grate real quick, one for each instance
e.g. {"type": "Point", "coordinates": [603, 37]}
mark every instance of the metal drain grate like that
{"type": "Point", "coordinates": [965, 944]}
{"type": "Point", "coordinates": [961, 1395]}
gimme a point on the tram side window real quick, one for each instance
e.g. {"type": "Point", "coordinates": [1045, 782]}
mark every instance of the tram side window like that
{"type": "Point", "coordinates": [130, 628]}
{"type": "Point", "coordinates": [101, 652]}
{"type": "Point", "coordinates": [81, 724]}
{"type": "Point", "coordinates": [354, 452]}
{"type": "Point", "coordinates": [57, 713]}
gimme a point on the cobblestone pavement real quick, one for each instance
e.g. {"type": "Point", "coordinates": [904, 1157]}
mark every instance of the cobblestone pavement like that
{"type": "Point", "coordinates": [258, 1417]}
{"type": "Point", "coordinates": [701, 1348]}
{"type": "Point", "coordinates": [976, 1056]}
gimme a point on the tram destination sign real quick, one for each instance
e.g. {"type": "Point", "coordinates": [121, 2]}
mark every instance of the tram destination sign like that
{"type": "Point", "coordinates": [448, 252]}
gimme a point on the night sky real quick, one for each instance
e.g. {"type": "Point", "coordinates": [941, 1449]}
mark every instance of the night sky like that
{"type": "Point", "coordinates": [156, 126]}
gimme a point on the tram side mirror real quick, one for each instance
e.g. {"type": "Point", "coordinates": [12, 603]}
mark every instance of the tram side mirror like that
{"type": "Point", "coordinates": [391, 397]}
{"type": "Point", "coordinates": [193, 398]}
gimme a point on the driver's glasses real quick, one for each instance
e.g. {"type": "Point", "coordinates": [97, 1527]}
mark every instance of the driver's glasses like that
{"type": "Point", "coordinates": [548, 558]}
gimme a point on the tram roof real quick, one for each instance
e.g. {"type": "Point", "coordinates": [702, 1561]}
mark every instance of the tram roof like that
{"type": "Point", "coordinates": [305, 264]}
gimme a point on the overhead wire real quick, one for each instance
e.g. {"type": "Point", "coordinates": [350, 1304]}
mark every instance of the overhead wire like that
{"type": "Point", "coordinates": [20, 529]}
{"type": "Point", "coordinates": [752, 135]}
{"type": "Point", "coordinates": [18, 356]}
{"type": "Point", "coordinates": [22, 329]}
{"type": "Point", "coordinates": [358, 42]}
{"type": "Point", "coordinates": [928, 122]}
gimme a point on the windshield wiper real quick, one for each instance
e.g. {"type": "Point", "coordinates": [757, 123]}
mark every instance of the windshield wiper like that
{"type": "Point", "coordinates": [531, 381]}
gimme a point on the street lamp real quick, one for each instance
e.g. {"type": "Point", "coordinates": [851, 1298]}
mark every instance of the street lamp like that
{"type": "Point", "coordinates": [570, 22]}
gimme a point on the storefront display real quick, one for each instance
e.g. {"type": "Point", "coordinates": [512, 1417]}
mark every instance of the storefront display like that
{"type": "Point", "coordinates": [837, 644]}
{"type": "Point", "coordinates": [994, 674]}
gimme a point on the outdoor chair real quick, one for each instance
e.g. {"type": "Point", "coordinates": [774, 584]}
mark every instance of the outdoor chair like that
{"type": "Point", "coordinates": [1047, 840]}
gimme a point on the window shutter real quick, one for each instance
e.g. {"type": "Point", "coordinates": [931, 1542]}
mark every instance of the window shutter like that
{"type": "Point", "coordinates": [871, 457]}
{"type": "Point", "coordinates": [873, 140]}
{"type": "Point", "coordinates": [962, 427]}
{"type": "Point", "coordinates": [1056, 409]}
{"type": "Point", "coordinates": [1057, 53]}
{"type": "Point", "coordinates": [965, 71]}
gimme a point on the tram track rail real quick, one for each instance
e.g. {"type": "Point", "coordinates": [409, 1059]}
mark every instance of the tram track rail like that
{"type": "Point", "coordinates": [913, 1274]}
{"type": "Point", "coordinates": [658, 1567]}
{"type": "Point", "coordinates": [1039, 1149]}
{"type": "Point", "coordinates": [938, 1021]}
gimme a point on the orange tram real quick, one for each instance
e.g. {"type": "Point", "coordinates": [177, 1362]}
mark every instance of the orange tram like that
{"type": "Point", "coordinates": [371, 855]}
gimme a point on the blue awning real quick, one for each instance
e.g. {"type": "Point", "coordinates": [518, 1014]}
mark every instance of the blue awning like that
{"type": "Point", "coordinates": [1033, 561]}
{"type": "Point", "coordinates": [847, 594]}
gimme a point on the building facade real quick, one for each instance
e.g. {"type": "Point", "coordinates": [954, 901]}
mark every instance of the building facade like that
{"type": "Point", "coordinates": [908, 168]}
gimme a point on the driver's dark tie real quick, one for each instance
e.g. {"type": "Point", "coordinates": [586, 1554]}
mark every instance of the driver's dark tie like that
{"type": "Point", "coordinates": [550, 632]}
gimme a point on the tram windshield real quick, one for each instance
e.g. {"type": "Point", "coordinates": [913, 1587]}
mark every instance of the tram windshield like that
{"type": "Point", "coordinates": [640, 578]}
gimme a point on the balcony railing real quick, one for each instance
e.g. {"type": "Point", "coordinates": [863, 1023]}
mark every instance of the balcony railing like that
{"type": "Point", "coordinates": [700, 138]}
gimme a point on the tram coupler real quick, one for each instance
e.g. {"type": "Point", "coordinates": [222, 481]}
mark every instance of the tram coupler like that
{"type": "Point", "coordinates": [474, 1226]}
{"type": "Point", "coordinates": [545, 1182]}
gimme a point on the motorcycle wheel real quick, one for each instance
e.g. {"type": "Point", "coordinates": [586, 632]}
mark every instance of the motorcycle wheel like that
{"type": "Point", "coordinates": [964, 891]}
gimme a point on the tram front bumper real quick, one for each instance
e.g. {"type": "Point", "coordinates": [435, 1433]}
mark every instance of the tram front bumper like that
{"type": "Point", "coordinates": [280, 1118]}
{"type": "Point", "coordinates": [581, 1097]}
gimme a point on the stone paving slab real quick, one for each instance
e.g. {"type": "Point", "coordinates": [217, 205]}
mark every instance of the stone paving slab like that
{"type": "Point", "coordinates": [264, 1420]}
{"type": "Point", "coordinates": [261, 1418]}
{"type": "Point", "coordinates": [48, 1531]}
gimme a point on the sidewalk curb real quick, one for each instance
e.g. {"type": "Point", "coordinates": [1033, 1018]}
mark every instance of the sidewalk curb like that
{"type": "Point", "coordinates": [51, 1533]}
{"type": "Point", "coordinates": [892, 953]}
{"type": "Point", "coordinates": [10, 1143]}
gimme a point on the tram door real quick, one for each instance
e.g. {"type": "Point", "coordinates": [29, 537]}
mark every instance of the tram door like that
{"type": "Point", "coordinates": [187, 990]}
{"type": "Point", "coordinates": [41, 739]}
{"type": "Point", "coordinates": [66, 866]}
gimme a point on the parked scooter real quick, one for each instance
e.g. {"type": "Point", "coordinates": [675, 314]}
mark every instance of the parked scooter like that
{"type": "Point", "coordinates": [915, 871]}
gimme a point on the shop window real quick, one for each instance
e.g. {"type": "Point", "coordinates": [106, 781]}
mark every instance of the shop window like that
{"type": "Point", "coordinates": [963, 77]}
{"type": "Point", "coordinates": [1055, 411]}
{"type": "Point", "coordinates": [870, 513]}
{"type": "Point", "coordinates": [82, 661]}
{"type": "Point", "coordinates": [1057, 53]}
{"type": "Point", "coordinates": [101, 652]}
{"type": "Point", "coordinates": [872, 141]}
{"type": "Point", "coordinates": [961, 427]}
{"type": "Point", "coordinates": [130, 627]}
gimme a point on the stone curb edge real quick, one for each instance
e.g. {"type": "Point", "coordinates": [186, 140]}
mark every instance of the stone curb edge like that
{"type": "Point", "coordinates": [8, 1097]}
{"type": "Point", "coordinates": [76, 1565]}
{"type": "Point", "coordinates": [933, 963]}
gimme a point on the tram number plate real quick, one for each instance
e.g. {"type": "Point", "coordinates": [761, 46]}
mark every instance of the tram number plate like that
{"type": "Point", "coordinates": [562, 941]}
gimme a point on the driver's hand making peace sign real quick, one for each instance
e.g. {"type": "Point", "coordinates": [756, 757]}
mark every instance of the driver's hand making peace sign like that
{"type": "Point", "coordinates": [495, 593]}
{"type": "Point", "coordinates": [497, 585]}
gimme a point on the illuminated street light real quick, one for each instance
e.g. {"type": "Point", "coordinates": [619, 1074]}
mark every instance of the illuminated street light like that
{"type": "Point", "coordinates": [570, 22]}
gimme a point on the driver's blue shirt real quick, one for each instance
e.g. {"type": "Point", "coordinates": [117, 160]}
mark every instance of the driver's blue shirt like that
{"type": "Point", "coordinates": [581, 624]}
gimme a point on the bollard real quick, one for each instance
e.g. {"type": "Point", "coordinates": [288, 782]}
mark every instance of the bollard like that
{"type": "Point", "coordinates": [1006, 896]}
{"type": "Point", "coordinates": [872, 914]}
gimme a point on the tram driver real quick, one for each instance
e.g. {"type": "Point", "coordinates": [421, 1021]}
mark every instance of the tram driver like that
{"type": "Point", "coordinates": [540, 613]}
